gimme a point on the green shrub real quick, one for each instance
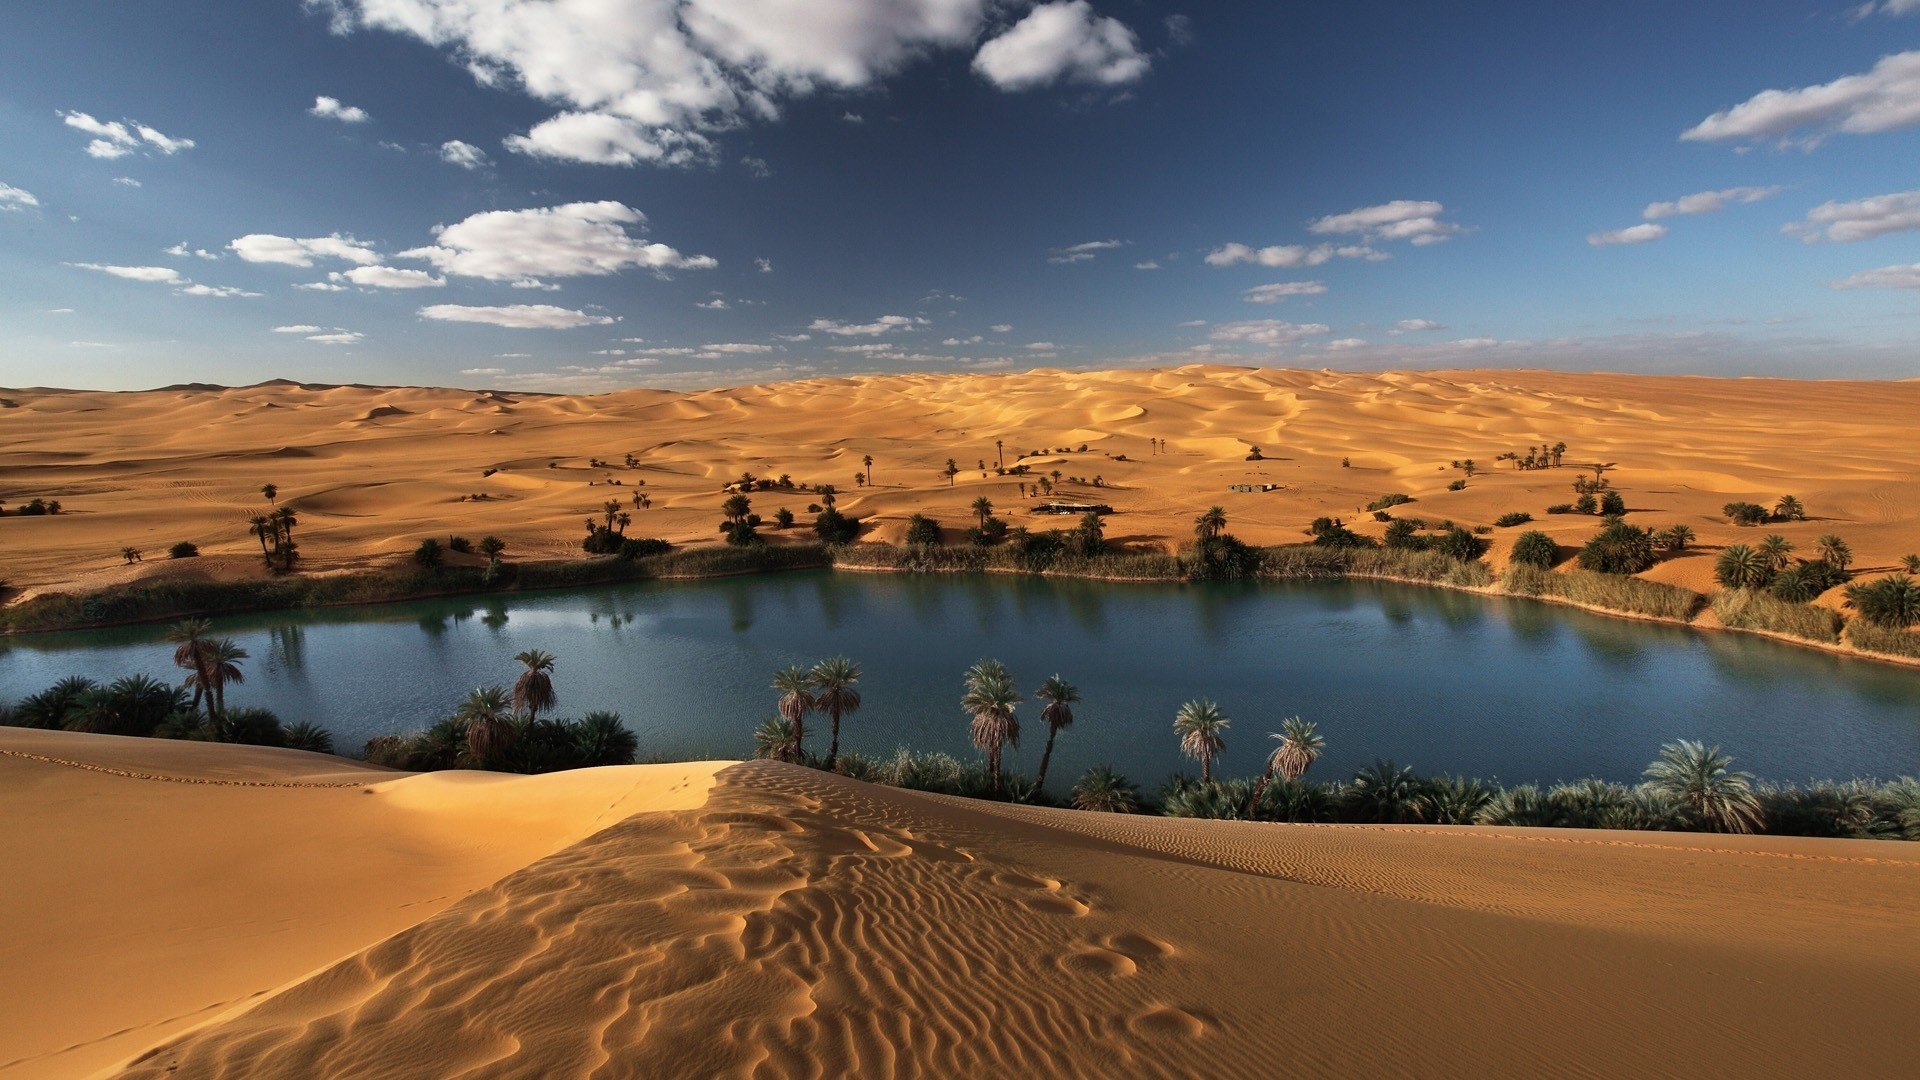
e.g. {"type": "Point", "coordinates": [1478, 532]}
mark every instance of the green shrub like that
{"type": "Point", "coordinates": [833, 527]}
{"type": "Point", "coordinates": [922, 531]}
{"type": "Point", "coordinates": [1535, 548]}
{"type": "Point", "coordinates": [1751, 609]}
{"type": "Point", "coordinates": [642, 547]}
{"type": "Point", "coordinates": [429, 554]}
{"type": "Point", "coordinates": [1610, 592]}
{"type": "Point", "coordinates": [1618, 548]}
{"type": "Point", "coordinates": [1394, 499]}
{"type": "Point", "coordinates": [1457, 485]}
{"type": "Point", "coordinates": [1745, 513]}
{"type": "Point", "coordinates": [185, 549]}
{"type": "Point", "coordinates": [1516, 517]}
{"type": "Point", "coordinates": [460, 545]}
{"type": "Point", "coordinates": [1892, 602]}
{"type": "Point", "coordinates": [1862, 634]}
{"type": "Point", "coordinates": [1612, 504]}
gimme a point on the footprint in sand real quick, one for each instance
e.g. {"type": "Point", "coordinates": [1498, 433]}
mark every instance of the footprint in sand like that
{"type": "Point", "coordinates": [1046, 895]}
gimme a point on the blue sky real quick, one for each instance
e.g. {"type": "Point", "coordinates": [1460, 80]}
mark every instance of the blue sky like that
{"type": "Point", "coordinates": [589, 194]}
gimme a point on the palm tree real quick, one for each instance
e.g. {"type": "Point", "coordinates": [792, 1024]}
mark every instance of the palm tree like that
{"type": "Point", "coordinates": [1000, 451]}
{"type": "Point", "coordinates": [795, 685]}
{"type": "Point", "coordinates": [1300, 746]}
{"type": "Point", "coordinates": [991, 699]}
{"type": "Point", "coordinates": [867, 460]}
{"type": "Point", "coordinates": [260, 527]}
{"type": "Point", "coordinates": [1775, 549]}
{"type": "Point", "coordinates": [1741, 567]}
{"type": "Point", "coordinates": [982, 508]}
{"type": "Point", "coordinates": [533, 690]}
{"type": "Point", "coordinates": [193, 653]}
{"type": "Point", "coordinates": [1910, 563]}
{"type": "Point", "coordinates": [1210, 524]}
{"type": "Point", "coordinates": [774, 739]}
{"type": "Point", "coordinates": [1789, 509]}
{"type": "Point", "coordinates": [223, 667]}
{"type": "Point", "coordinates": [1834, 551]}
{"type": "Point", "coordinates": [1101, 788]}
{"type": "Point", "coordinates": [612, 509]}
{"type": "Point", "coordinates": [1679, 536]}
{"type": "Point", "coordinates": [1200, 725]}
{"type": "Point", "coordinates": [130, 554]}
{"type": "Point", "coordinates": [270, 492]}
{"type": "Point", "coordinates": [623, 519]}
{"type": "Point", "coordinates": [1059, 694]}
{"type": "Point", "coordinates": [833, 682]}
{"type": "Point", "coordinates": [489, 730]}
{"type": "Point", "coordinates": [952, 470]}
{"type": "Point", "coordinates": [1697, 777]}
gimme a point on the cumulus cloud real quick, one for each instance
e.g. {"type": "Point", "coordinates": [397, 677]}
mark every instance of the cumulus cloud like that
{"type": "Point", "coordinates": [1883, 98]}
{"type": "Point", "coordinates": [1887, 277]}
{"type": "Point", "coordinates": [1280, 290]}
{"type": "Point", "coordinates": [181, 251]}
{"type": "Point", "coordinates": [516, 316]}
{"type": "Point", "coordinates": [1413, 220]}
{"type": "Point", "coordinates": [1058, 41]}
{"type": "Point", "coordinates": [321, 286]}
{"type": "Point", "coordinates": [1415, 326]}
{"type": "Point", "coordinates": [119, 138]}
{"type": "Point", "coordinates": [718, 303]}
{"type": "Point", "coordinates": [165, 275]}
{"type": "Point", "coordinates": [973, 340]}
{"type": "Point", "coordinates": [296, 329]}
{"type": "Point", "coordinates": [1289, 256]}
{"type": "Point", "coordinates": [583, 239]}
{"type": "Point", "coordinates": [642, 80]}
{"type": "Point", "coordinates": [388, 277]}
{"type": "Point", "coordinates": [330, 109]}
{"type": "Point", "coordinates": [1146, 264]}
{"type": "Point", "coordinates": [338, 337]}
{"type": "Point", "coordinates": [289, 251]}
{"type": "Point", "coordinates": [1633, 234]}
{"type": "Point", "coordinates": [13, 198]}
{"type": "Point", "coordinates": [736, 348]}
{"type": "Point", "coordinates": [224, 292]}
{"type": "Point", "coordinates": [1083, 252]}
{"type": "Point", "coordinates": [1001, 328]}
{"type": "Point", "coordinates": [885, 324]}
{"type": "Point", "coordinates": [1345, 343]}
{"type": "Point", "coordinates": [464, 154]}
{"type": "Point", "coordinates": [1270, 332]}
{"type": "Point", "coordinates": [1862, 219]}
{"type": "Point", "coordinates": [1709, 202]}
{"type": "Point", "coordinates": [765, 266]}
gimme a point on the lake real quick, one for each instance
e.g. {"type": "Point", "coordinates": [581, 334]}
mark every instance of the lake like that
{"type": "Point", "coordinates": [1500, 688]}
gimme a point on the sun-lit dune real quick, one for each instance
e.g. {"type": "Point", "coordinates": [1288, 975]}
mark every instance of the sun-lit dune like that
{"type": "Point", "coordinates": [218, 911]}
{"type": "Point", "coordinates": [371, 470]}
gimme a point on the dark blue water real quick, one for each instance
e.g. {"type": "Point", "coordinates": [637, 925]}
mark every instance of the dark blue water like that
{"type": "Point", "coordinates": [1497, 688]}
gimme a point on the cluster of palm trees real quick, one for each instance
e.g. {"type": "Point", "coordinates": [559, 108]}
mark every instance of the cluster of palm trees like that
{"type": "Point", "coordinates": [212, 664]}
{"type": "Point", "coordinates": [491, 714]}
{"type": "Point", "coordinates": [830, 687]}
{"type": "Point", "coordinates": [274, 530]}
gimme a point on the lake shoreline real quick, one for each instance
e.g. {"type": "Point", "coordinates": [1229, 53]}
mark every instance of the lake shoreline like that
{"type": "Point", "coordinates": [369, 588]}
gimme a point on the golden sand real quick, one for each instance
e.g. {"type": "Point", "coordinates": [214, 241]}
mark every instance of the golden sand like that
{"type": "Point", "coordinates": [309, 916]}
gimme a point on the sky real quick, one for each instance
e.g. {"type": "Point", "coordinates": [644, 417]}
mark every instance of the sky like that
{"type": "Point", "coordinates": [585, 195]}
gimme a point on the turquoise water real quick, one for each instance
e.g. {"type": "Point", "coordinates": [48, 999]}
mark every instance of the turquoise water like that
{"type": "Point", "coordinates": [1497, 688]}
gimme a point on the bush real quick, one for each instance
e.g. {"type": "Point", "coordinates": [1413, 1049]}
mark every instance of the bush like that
{"type": "Point", "coordinates": [833, 527]}
{"type": "Point", "coordinates": [1457, 485]}
{"type": "Point", "coordinates": [1509, 520]}
{"type": "Point", "coordinates": [1611, 504]}
{"type": "Point", "coordinates": [1891, 602]}
{"type": "Point", "coordinates": [1220, 558]}
{"type": "Point", "coordinates": [1535, 548]}
{"type": "Point", "coordinates": [1458, 543]}
{"type": "Point", "coordinates": [1751, 609]}
{"type": "Point", "coordinates": [309, 737]}
{"type": "Point", "coordinates": [1745, 513]}
{"type": "Point", "coordinates": [922, 531]}
{"type": "Point", "coordinates": [1618, 548]}
{"type": "Point", "coordinates": [1384, 501]}
{"type": "Point", "coordinates": [1402, 535]}
{"type": "Point", "coordinates": [429, 554]}
{"type": "Point", "coordinates": [1862, 634]}
{"type": "Point", "coordinates": [783, 518]}
{"type": "Point", "coordinates": [185, 549]}
{"type": "Point", "coordinates": [1560, 508]}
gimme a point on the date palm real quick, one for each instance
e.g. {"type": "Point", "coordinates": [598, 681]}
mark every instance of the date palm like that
{"type": "Point", "coordinates": [1210, 524]}
{"type": "Point", "coordinates": [867, 460]}
{"type": "Point", "coordinates": [795, 685]}
{"type": "Point", "coordinates": [1835, 552]}
{"type": "Point", "coordinates": [533, 690]}
{"type": "Point", "coordinates": [1300, 746]}
{"type": "Point", "coordinates": [1699, 778]}
{"type": "Point", "coordinates": [262, 528]}
{"type": "Point", "coordinates": [193, 652]}
{"type": "Point", "coordinates": [1741, 567]}
{"type": "Point", "coordinates": [1789, 509]}
{"type": "Point", "coordinates": [1202, 729]}
{"type": "Point", "coordinates": [270, 492]}
{"type": "Point", "coordinates": [982, 508]}
{"type": "Point", "coordinates": [223, 668]}
{"type": "Point", "coordinates": [1060, 695]}
{"type": "Point", "coordinates": [991, 699]}
{"type": "Point", "coordinates": [484, 717]}
{"type": "Point", "coordinates": [1775, 549]}
{"type": "Point", "coordinates": [834, 693]}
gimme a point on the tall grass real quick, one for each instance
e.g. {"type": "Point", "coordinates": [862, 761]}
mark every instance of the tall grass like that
{"type": "Point", "coordinates": [1610, 592]}
{"type": "Point", "coordinates": [1862, 634]}
{"type": "Point", "coordinates": [1752, 609]}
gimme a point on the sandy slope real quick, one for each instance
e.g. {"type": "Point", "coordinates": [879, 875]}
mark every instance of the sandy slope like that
{"type": "Point", "coordinates": [798, 924]}
{"type": "Point", "coordinates": [372, 471]}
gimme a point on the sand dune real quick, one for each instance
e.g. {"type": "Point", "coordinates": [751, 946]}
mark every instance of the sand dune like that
{"type": "Point", "coordinates": [373, 470]}
{"type": "Point", "coordinates": [784, 922]}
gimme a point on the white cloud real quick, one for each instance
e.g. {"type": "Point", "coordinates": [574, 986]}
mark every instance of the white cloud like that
{"type": "Point", "coordinates": [1190, 324]}
{"type": "Point", "coordinates": [737, 347]}
{"type": "Point", "coordinates": [1887, 277]}
{"type": "Point", "coordinates": [533, 283]}
{"type": "Point", "coordinates": [331, 109]}
{"type": "Point", "coordinates": [974, 340]}
{"type": "Point", "coordinates": [1883, 98]}
{"type": "Point", "coordinates": [321, 286]}
{"type": "Point", "coordinates": [388, 277]}
{"type": "Point", "coordinates": [794, 337]}
{"type": "Point", "coordinates": [1633, 234]}
{"type": "Point", "coordinates": [885, 324]}
{"type": "Point", "coordinates": [13, 198]}
{"type": "Point", "coordinates": [1147, 264]}
{"type": "Point", "coordinates": [1280, 290]}
{"type": "Point", "coordinates": [1083, 252]}
{"type": "Point", "coordinates": [118, 138]}
{"type": "Point", "coordinates": [1040, 346]}
{"type": "Point", "coordinates": [181, 251]}
{"type": "Point", "coordinates": [1415, 326]}
{"type": "Point", "coordinates": [483, 371]}
{"type": "Point", "coordinates": [1886, 7]}
{"type": "Point", "coordinates": [464, 154]}
{"type": "Point", "coordinates": [765, 266]}
{"type": "Point", "coordinates": [642, 80]}
{"type": "Point", "coordinates": [1862, 219]}
{"type": "Point", "coordinates": [1268, 332]}
{"type": "Point", "coordinates": [299, 329]}
{"type": "Point", "coordinates": [289, 251]}
{"type": "Point", "coordinates": [574, 240]}
{"type": "Point", "coordinates": [1289, 256]}
{"type": "Point", "coordinates": [60, 311]}
{"type": "Point", "coordinates": [165, 275]}
{"type": "Point", "coordinates": [757, 167]}
{"type": "Point", "coordinates": [718, 303]}
{"type": "Point", "coordinates": [224, 292]}
{"type": "Point", "coordinates": [338, 337]}
{"type": "Point", "coordinates": [1345, 343]}
{"type": "Point", "coordinates": [1402, 219]}
{"type": "Point", "coordinates": [126, 181]}
{"type": "Point", "coordinates": [1062, 40]}
{"type": "Point", "coordinates": [853, 118]}
{"type": "Point", "coordinates": [1476, 343]}
{"type": "Point", "coordinates": [1709, 202]}
{"type": "Point", "coordinates": [516, 316]}
{"type": "Point", "coordinates": [1001, 328]}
